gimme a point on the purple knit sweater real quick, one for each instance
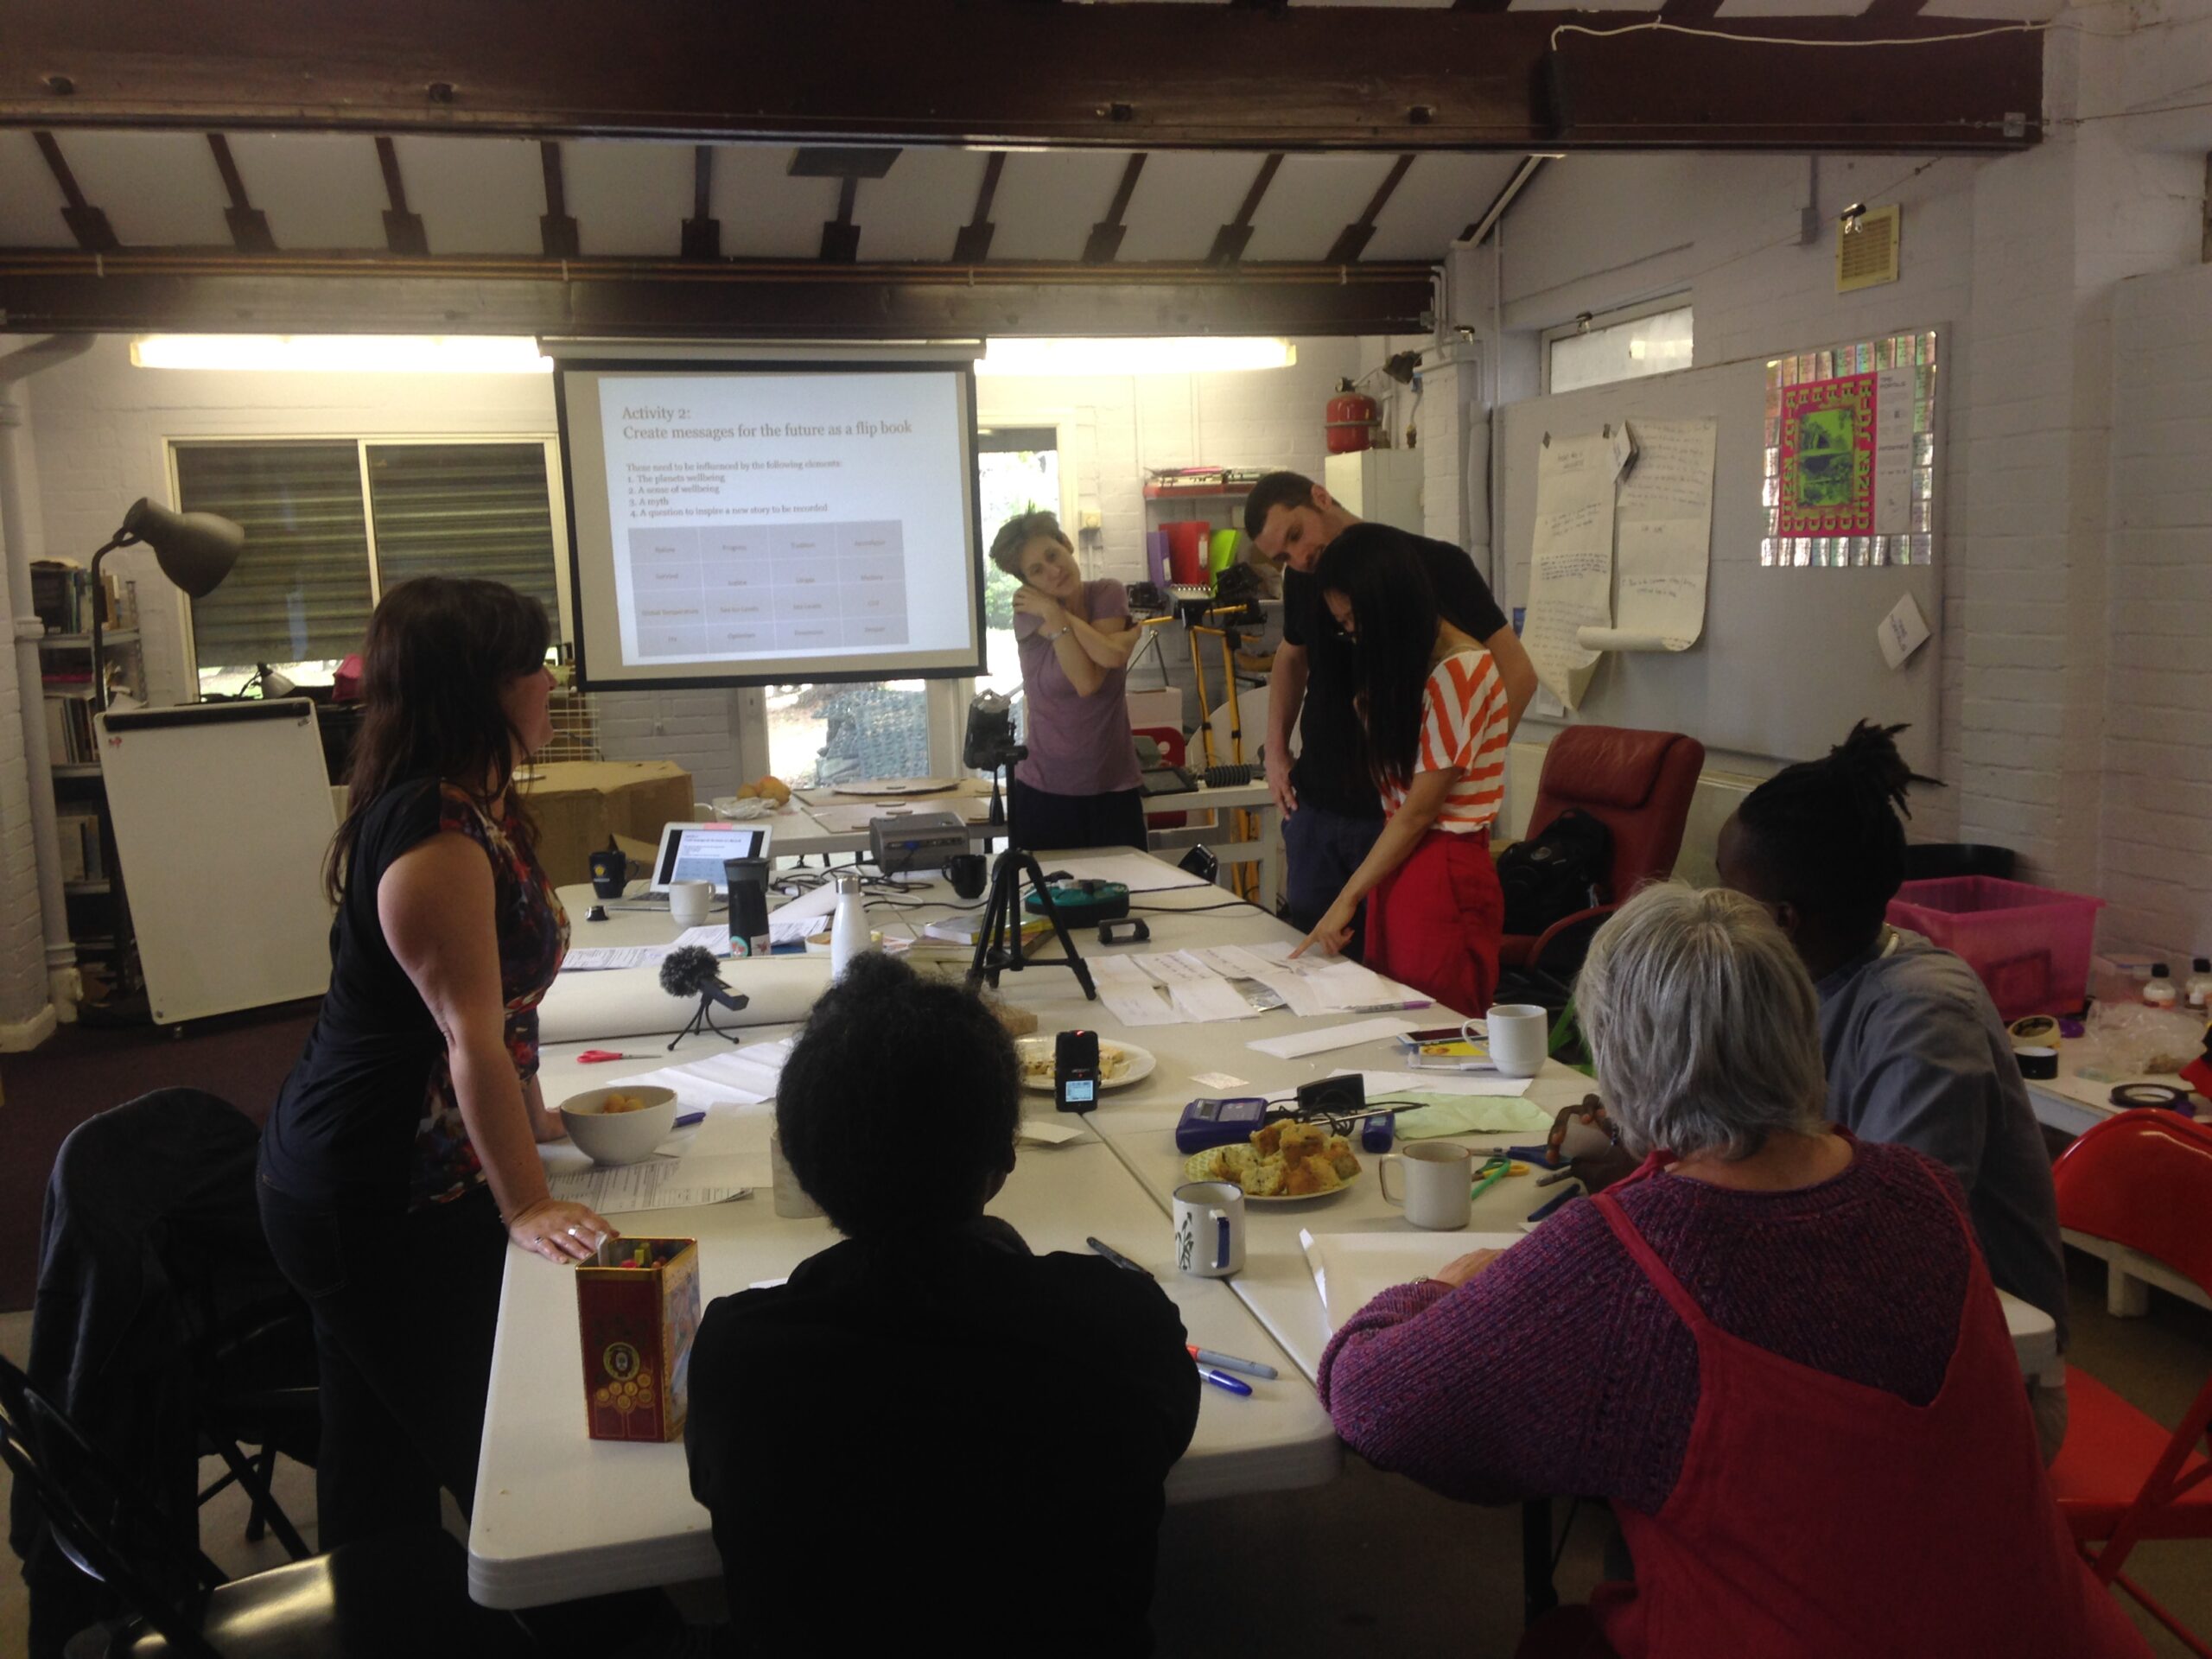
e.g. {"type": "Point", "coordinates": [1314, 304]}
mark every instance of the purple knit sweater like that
{"type": "Point", "coordinates": [1559, 1369]}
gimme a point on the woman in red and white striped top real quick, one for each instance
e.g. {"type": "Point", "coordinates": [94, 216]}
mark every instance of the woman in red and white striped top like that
{"type": "Point", "coordinates": [1436, 721]}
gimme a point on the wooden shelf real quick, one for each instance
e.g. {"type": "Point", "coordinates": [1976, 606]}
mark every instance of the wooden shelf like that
{"type": "Point", "coordinates": [83, 641]}
{"type": "Point", "coordinates": [76, 769]}
{"type": "Point", "coordinates": [74, 887]}
{"type": "Point", "coordinates": [1195, 491]}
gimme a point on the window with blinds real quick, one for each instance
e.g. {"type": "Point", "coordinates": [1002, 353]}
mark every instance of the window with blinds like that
{"type": "Point", "coordinates": [464, 509]}
{"type": "Point", "coordinates": [319, 550]}
{"type": "Point", "coordinates": [300, 592]}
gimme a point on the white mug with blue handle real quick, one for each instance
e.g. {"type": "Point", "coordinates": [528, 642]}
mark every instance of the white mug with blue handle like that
{"type": "Point", "coordinates": [1210, 1229]}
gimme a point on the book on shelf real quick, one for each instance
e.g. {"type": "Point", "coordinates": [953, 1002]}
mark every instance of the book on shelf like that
{"type": "Point", "coordinates": [69, 737]}
{"type": "Point", "coordinates": [61, 595]}
{"type": "Point", "coordinates": [79, 835]}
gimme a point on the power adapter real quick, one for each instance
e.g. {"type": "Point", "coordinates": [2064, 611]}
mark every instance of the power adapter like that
{"type": "Point", "coordinates": [1345, 1096]}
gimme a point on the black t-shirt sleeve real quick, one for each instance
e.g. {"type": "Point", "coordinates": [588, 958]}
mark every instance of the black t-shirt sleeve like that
{"type": "Point", "coordinates": [1298, 601]}
{"type": "Point", "coordinates": [1461, 594]}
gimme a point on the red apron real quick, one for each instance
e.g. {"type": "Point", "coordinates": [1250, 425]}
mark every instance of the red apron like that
{"type": "Point", "coordinates": [1820, 1518]}
{"type": "Point", "coordinates": [1434, 922]}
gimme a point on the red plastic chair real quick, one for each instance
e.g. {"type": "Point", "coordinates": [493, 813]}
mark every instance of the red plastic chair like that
{"type": "Point", "coordinates": [1639, 783]}
{"type": "Point", "coordinates": [1171, 750]}
{"type": "Point", "coordinates": [2142, 1180]}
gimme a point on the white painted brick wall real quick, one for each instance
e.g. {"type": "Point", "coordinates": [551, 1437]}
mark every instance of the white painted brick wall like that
{"type": "Point", "coordinates": [2156, 821]}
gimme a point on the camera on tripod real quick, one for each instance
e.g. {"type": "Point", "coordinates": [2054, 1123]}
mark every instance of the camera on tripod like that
{"type": "Point", "coordinates": [989, 743]}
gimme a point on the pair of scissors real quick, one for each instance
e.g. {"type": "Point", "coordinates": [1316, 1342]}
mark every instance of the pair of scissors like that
{"type": "Point", "coordinates": [1495, 1169]}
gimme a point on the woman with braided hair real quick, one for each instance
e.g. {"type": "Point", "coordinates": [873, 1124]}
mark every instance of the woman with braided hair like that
{"type": "Point", "coordinates": [1915, 1050]}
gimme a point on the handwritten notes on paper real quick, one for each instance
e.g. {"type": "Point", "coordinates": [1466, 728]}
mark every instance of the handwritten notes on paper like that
{"type": "Point", "coordinates": [1571, 561]}
{"type": "Point", "coordinates": [1663, 535]}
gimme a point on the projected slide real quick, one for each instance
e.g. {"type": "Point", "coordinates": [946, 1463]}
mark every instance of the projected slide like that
{"type": "Point", "coordinates": [762, 525]}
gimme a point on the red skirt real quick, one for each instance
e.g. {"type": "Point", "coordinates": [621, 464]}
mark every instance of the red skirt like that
{"type": "Point", "coordinates": [1434, 922]}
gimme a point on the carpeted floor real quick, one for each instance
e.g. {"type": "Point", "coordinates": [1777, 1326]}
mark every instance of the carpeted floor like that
{"type": "Point", "coordinates": [82, 1070]}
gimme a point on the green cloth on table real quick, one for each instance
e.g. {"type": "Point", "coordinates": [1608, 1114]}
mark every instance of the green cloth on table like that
{"type": "Point", "coordinates": [1470, 1115]}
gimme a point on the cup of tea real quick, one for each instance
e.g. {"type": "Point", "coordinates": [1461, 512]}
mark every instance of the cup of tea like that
{"type": "Point", "coordinates": [688, 902]}
{"type": "Point", "coordinates": [610, 872]}
{"type": "Point", "coordinates": [967, 874]}
{"type": "Point", "coordinates": [1210, 1229]}
{"type": "Point", "coordinates": [1435, 1185]}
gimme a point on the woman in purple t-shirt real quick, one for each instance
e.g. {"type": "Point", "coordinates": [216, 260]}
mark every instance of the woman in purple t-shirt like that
{"type": "Point", "coordinates": [1078, 787]}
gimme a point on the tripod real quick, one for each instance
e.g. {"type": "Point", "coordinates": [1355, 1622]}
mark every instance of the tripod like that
{"type": "Point", "coordinates": [998, 942]}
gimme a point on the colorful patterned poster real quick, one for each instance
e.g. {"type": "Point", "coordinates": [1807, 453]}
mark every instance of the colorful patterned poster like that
{"type": "Point", "coordinates": [1826, 473]}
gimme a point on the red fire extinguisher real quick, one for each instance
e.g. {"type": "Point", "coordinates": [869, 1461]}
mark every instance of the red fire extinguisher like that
{"type": "Point", "coordinates": [1352, 419]}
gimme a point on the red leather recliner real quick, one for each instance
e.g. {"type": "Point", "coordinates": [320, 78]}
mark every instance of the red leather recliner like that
{"type": "Point", "coordinates": [1640, 785]}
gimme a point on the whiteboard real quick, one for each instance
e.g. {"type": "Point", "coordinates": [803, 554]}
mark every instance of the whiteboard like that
{"type": "Point", "coordinates": [222, 814]}
{"type": "Point", "coordinates": [1788, 658]}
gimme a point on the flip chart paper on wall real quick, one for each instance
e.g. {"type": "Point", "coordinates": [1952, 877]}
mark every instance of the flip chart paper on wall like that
{"type": "Point", "coordinates": [1571, 561]}
{"type": "Point", "coordinates": [1663, 540]}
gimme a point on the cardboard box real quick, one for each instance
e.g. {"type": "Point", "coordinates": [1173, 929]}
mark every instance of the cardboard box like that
{"type": "Point", "coordinates": [638, 1310]}
{"type": "Point", "coordinates": [580, 805]}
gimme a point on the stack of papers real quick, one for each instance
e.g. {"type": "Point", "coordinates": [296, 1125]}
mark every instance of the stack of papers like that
{"type": "Point", "coordinates": [711, 935]}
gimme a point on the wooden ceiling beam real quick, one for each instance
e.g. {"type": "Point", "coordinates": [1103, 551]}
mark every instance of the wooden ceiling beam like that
{"type": "Point", "coordinates": [840, 238]}
{"type": "Point", "coordinates": [248, 225]}
{"type": "Point", "coordinates": [1232, 239]}
{"type": "Point", "coordinates": [989, 73]}
{"type": "Point", "coordinates": [1354, 237]}
{"type": "Point", "coordinates": [86, 222]}
{"type": "Point", "coordinates": [702, 234]}
{"type": "Point", "coordinates": [403, 230]}
{"type": "Point", "coordinates": [290, 293]}
{"type": "Point", "coordinates": [557, 228]}
{"type": "Point", "coordinates": [973, 245]}
{"type": "Point", "coordinates": [1105, 239]}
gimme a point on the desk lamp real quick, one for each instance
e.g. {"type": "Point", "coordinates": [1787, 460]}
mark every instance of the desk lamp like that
{"type": "Point", "coordinates": [195, 550]}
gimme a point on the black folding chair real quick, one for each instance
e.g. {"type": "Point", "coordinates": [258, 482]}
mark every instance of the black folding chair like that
{"type": "Point", "coordinates": [403, 1593]}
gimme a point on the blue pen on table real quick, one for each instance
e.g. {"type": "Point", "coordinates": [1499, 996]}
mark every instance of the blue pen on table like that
{"type": "Point", "coordinates": [1224, 1380]}
{"type": "Point", "coordinates": [1116, 1257]}
{"type": "Point", "coordinates": [1230, 1362]}
{"type": "Point", "coordinates": [684, 1120]}
{"type": "Point", "coordinates": [1543, 1210]}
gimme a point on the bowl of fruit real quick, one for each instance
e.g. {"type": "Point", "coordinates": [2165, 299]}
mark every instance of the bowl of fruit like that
{"type": "Point", "coordinates": [620, 1124]}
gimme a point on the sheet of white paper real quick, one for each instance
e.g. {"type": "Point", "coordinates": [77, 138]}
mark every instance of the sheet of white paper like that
{"type": "Point", "coordinates": [1381, 1085]}
{"type": "Point", "coordinates": [1347, 985]}
{"type": "Point", "coordinates": [1207, 998]}
{"type": "Point", "coordinates": [1236, 960]}
{"type": "Point", "coordinates": [1317, 1042]}
{"type": "Point", "coordinates": [1174, 968]}
{"type": "Point", "coordinates": [1134, 1004]}
{"type": "Point", "coordinates": [1570, 560]}
{"type": "Point", "coordinates": [1133, 870]}
{"type": "Point", "coordinates": [659, 1183]}
{"type": "Point", "coordinates": [1902, 631]}
{"type": "Point", "coordinates": [711, 935]}
{"type": "Point", "coordinates": [1218, 1080]}
{"type": "Point", "coordinates": [738, 1076]}
{"type": "Point", "coordinates": [1351, 1269]}
{"type": "Point", "coordinates": [1893, 451]}
{"type": "Point", "coordinates": [1664, 539]}
{"type": "Point", "coordinates": [1040, 1132]}
{"type": "Point", "coordinates": [1296, 993]}
{"type": "Point", "coordinates": [818, 901]}
{"type": "Point", "coordinates": [795, 930]}
{"type": "Point", "coordinates": [1121, 970]}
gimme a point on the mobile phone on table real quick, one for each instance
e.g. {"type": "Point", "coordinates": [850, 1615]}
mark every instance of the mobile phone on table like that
{"type": "Point", "coordinates": [1075, 1071]}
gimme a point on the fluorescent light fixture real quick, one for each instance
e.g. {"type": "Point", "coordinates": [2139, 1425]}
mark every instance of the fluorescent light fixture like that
{"type": "Point", "coordinates": [1199, 355]}
{"type": "Point", "coordinates": [343, 353]}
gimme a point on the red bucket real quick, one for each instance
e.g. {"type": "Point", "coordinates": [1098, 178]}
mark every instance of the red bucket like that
{"type": "Point", "coordinates": [1187, 551]}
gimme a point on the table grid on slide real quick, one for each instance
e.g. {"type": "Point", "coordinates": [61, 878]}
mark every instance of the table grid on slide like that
{"type": "Point", "coordinates": [716, 590]}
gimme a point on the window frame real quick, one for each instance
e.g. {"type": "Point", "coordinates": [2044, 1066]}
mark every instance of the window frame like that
{"type": "Point", "coordinates": [1684, 301]}
{"type": "Point", "coordinates": [555, 502]}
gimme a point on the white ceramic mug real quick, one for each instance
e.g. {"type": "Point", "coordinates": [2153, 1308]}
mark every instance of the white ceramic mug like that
{"type": "Point", "coordinates": [1210, 1229]}
{"type": "Point", "coordinates": [688, 902]}
{"type": "Point", "coordinates": [1439, 1180]}
{"type": "Point", "coordinates": [1520, 1037]}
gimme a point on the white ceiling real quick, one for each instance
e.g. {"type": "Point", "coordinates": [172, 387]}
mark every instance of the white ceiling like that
{"type": "Point", "coordinates": [322, 191]}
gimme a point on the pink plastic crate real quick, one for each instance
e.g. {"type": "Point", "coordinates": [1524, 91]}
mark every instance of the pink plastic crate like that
{"type": "Point", "coordinates": [2031, 946]}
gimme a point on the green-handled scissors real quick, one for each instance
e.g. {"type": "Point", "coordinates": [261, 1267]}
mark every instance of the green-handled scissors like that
{"type": "Point", "coordinates": [1494, 1170]}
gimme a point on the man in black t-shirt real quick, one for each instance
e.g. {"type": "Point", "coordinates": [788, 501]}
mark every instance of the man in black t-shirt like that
{"type": "Point", "coordinates": [1330, 813]}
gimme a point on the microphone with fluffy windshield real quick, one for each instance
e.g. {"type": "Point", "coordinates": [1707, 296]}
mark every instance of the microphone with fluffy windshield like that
{"type": "Point", "coordinates": [693, 971]}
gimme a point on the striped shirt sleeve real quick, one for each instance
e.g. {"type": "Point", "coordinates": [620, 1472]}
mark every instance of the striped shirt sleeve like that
{"type": "Point", "coordinates": [1464, 725]}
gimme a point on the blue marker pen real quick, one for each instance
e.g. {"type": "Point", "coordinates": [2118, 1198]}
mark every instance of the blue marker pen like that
{"type": "Point", "coordinates": [1224, 1380]}
{"type": "Point", "coordinates": [1543, 1210]}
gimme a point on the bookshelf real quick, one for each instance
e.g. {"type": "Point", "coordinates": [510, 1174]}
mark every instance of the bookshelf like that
{"type": "Point", "coordinates": [99, 913]}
